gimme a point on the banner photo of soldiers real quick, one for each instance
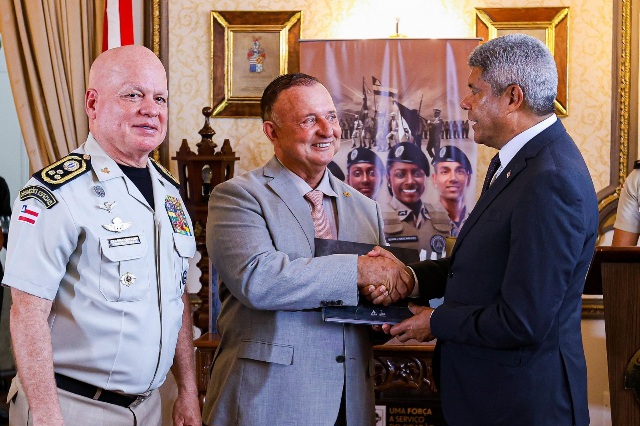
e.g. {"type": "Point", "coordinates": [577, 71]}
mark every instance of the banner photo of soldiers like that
{"type": "Point", "coordinates": [405, 140]}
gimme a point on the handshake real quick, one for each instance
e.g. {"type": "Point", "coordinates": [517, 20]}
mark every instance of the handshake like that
{"type": "Point", "coordinates": [382, 278]}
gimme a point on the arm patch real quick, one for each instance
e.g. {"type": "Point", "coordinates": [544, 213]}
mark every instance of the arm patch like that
{"type": "Point", "coordinates": [40, 193]}
{"type": "Point", "coordinates": [64, 170]}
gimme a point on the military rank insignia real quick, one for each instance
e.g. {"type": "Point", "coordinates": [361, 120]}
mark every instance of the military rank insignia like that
{"type": "Point", "coordinates": [176, 215]}
{"type": "Point", "coordinates": [64, 170]}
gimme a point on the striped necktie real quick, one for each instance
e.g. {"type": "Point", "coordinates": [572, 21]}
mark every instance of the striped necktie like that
{"type": "Point", "coordinates": [320, 220]}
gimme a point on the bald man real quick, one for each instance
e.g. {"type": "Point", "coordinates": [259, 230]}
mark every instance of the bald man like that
{"type": "Point", "coordinates": [97, 266]}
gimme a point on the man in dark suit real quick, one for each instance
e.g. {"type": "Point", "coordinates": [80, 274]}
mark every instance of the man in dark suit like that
{"type": "Point", "coordinates": [509, 328]}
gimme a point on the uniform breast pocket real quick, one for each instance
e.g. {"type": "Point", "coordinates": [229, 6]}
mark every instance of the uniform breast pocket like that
{"type": "Point", "coordinates": [185, 247]}
{"type": "Point", "coordinates": [124, 268]}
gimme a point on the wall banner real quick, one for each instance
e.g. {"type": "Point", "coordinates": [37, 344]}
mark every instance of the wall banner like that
{"type": "Point", "coordinates": [405, 142]}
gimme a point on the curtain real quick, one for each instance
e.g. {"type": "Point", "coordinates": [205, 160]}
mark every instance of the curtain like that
{"type": "Point", "coordinates": [49, 47]}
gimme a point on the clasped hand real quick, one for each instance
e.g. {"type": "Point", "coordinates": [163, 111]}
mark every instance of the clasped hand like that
{"type": "Point", "coordinates": [382, 278]}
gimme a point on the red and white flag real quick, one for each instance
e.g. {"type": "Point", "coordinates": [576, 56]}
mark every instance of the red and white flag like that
{"type": "Point", "coordinates": [118, 24]}
{"type": "Point", "coordinates": [29, 214]}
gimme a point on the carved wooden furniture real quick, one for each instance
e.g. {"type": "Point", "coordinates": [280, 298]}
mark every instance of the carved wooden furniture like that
{"type": "Point", "coordinates": [198, 174]}
{"type": "Point", "coordinates": [618, 270]}
{"type": "Point", "coordinates": [403, 377]}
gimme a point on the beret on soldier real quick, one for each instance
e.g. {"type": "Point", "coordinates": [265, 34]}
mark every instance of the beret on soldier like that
{"type": "Point", "coordinates": [335, 170]}
{"type": "Point", "coordinates": [407, 152]}
{"type": "Point", "coordinates": [450, 153]}
{"type": "Point", "coordinates": [364, 155]}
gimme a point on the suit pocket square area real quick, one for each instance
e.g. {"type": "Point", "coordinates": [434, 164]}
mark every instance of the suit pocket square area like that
{"type": "Point", "coordinates": [266, 352]}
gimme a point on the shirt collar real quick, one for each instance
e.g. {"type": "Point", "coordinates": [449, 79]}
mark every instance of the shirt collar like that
{"type": "Point", "coordinates": [514, 146]}
{"type": "Point", "coordinates": [303, 187]}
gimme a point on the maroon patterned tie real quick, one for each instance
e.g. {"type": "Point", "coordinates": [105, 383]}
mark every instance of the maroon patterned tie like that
{"type": "Point", "coordinates": [494, 165]}
{"type": "Point", "coordinates": [320, 220]}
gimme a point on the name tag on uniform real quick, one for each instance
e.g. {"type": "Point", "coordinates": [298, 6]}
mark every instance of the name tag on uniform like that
{"type": "Point", "coordinates": [124, 241]}
{"type": "Point", "coordinates": [402, 239]}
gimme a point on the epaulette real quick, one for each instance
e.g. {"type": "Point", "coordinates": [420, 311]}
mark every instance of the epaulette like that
{"type": "Point", "coordinates": [636, 165]}
{"type": "Point", "coordinates": [165, 173]}
{"type": "Point", "coordinates": [64, 170]}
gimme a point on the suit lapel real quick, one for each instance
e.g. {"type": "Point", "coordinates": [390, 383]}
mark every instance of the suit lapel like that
{"type": "Point", "coordinates": [345, 224]}
{"type": "Point", "coordinates": [508, 176]}
{"type": "Point", "coordinates": [278, 180]}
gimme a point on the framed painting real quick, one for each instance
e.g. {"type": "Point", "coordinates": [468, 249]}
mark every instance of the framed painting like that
{"type": "Point", "coordinates": [248, 50]}
{"type": "Point", "coordinates": [548, 24]}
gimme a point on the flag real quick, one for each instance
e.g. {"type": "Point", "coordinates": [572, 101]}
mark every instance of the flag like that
{"type": "Point", "coordinates": [365, 107]}
{"type": "Point", "coordinates": [118, 24]}
{"type": "Point", "coordinates": [380, 90]}
{"type": "Point", "coordinates": [29, 214]}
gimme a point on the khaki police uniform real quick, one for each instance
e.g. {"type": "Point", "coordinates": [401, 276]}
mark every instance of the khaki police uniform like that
{"type": "Point", "coordinates": [426, 231]}
{"type": "Point", "coordinates": [628, 213]}
{"type": "Point", "coordinates": [455, 228]}
{"type": "Point", "coordinates": [84, 237]}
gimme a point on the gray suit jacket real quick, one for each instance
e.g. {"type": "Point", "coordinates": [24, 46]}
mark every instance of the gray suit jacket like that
{"type": "Point", "coordinates": [278, 362]}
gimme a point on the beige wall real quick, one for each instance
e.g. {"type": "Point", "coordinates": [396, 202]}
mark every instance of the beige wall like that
{"type": "Point", "coordinates": [589, 88]}
{"type": "Point", "coordinates": [189, 43]}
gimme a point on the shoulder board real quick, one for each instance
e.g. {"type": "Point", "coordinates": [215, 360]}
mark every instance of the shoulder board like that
{"type": "Point", "coordinates": [64, 170]}
{"type": "Point", "coordinates": [40, 193]}
{"type": "Point", "coordinates": [636, 165]}
{"type": "Point", "coordinates": [165, 173]}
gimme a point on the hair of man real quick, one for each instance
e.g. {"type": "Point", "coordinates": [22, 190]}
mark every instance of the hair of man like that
{"type": "Point", "coordinates": [277, 86]}
{"type": "Point", "coordinates": [522, 60]}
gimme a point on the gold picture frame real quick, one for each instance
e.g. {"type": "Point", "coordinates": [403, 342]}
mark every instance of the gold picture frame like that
{"type": "Point", "coordinates": [248, 50]}
{"type": "Point", "coordinates": [548, 24]}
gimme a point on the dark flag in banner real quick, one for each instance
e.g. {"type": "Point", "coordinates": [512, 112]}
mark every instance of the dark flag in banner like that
{"type": "Point", "coordinates": [380, 90]}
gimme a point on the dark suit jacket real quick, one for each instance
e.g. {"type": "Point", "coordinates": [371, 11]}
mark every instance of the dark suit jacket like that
{"type": "Point", "coordinates": [509, 329]}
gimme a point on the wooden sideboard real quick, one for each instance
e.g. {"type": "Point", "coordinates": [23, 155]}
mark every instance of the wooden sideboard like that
{"type": "Point", "coordinates": [404, 381]}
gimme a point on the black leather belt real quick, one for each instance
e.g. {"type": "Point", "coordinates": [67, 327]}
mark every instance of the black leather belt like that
{"type": "Point", "coordinates": [93, 392]}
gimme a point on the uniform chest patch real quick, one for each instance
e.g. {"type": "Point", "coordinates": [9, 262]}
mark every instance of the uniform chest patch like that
{"type": "Point", "coordinates": [437, 243]}
{"type": "Point", "coordinates": [176, 215]}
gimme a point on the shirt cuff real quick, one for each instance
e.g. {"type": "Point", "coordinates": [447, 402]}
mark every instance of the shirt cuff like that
{"type": "Point", "coordinates": [416, 289]}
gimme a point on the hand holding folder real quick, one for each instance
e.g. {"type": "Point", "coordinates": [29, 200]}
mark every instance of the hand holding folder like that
{"type": "Point", "coordinates": [366, 312]}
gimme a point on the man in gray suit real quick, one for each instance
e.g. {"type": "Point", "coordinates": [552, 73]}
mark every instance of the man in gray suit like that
{"type": "Point", "coordinates": [278, 363]}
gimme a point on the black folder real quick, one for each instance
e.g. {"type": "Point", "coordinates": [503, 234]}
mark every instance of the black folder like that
{"type": "Point", "coordinates": [366, 312]}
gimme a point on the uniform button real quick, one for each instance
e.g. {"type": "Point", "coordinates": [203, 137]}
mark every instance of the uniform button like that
{"type": "Point", "coordinates": [450, 274]}
{"type": "Point", "coordinates": [340, 359]}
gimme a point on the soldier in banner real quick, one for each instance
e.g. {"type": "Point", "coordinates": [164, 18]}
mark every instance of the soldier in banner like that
{"type": "Point", "coordinates": [356, 135]}
{"type": "Point", "coordinates": [435, 132]}
{"type": "Point", "coordinates": [365, 171]}
{"type": "Point", "coordinates": [451, 177]}
{"type": "Point", "coordinates": [410, 223]}
{"type": "Point", "coordinates": [394, 130]}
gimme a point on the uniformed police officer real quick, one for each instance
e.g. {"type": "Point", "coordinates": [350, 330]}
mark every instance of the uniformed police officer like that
{"type": "Point", "coordinates": [451, 177]}
{"type": "Point", "coordinates": [365, 171]}
{"type": "Point", "coordinates": [97, 266]}
{"type": "Point", "coordinates": [626, 229]}
{"type": "Point", "coordinates": [410, 223]}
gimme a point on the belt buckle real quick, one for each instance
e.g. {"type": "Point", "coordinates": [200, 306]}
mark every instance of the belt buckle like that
{"type": "Point", "coordinates": [140, 399]}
